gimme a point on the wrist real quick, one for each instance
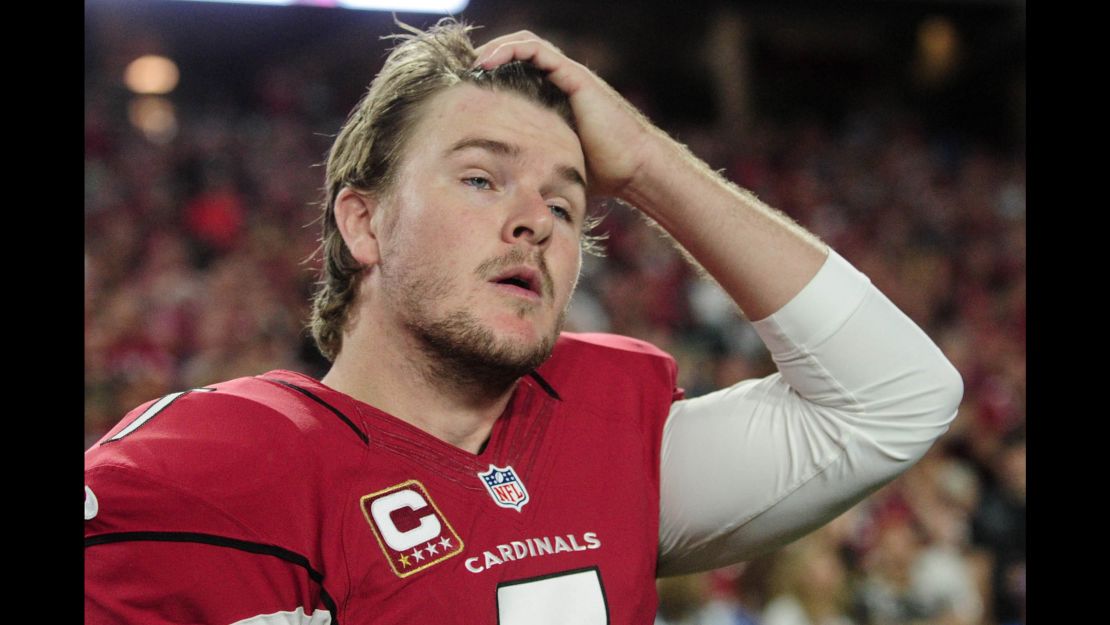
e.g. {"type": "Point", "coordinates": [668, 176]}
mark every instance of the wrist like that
{"type": "Point", "coordinates": [666, 174]}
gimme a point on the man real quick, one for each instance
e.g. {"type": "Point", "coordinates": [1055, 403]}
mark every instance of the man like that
{"type": "Point", "coordinates": [463, 461]}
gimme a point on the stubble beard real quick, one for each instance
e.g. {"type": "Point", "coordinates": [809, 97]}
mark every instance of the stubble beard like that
{"type": "Point", "coordinates": [457, 348]}
{"type": "Point", "coordinates": [467, 354]}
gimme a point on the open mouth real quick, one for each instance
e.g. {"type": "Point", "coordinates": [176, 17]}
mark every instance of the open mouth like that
{"type": "Point", "coordinates": [521, 280]}
{"type": "Point", "coordinates": [516, 282]}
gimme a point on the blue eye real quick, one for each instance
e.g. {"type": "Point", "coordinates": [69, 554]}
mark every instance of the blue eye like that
{"type": "Point", "coordinates": [561, 213]}
{"type": "Point", "coordinates": [478, 182]}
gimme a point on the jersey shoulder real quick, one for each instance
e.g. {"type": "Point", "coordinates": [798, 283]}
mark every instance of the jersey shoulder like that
{"type": "Point", "coordinates": [604, 347]}
{"type": "Point", "coordinates": [596, 361]}
{"type": "Point", "coordinates": [221, 458]}
{"type": "Point", "coordinates": [255, 413]}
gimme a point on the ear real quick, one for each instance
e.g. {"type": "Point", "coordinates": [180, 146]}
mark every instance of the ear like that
{"type": "Point", "coordinates": [355, 217]}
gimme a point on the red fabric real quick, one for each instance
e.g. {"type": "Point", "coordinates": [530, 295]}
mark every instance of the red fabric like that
{"type": "Point", "coordinates": [259, 462]}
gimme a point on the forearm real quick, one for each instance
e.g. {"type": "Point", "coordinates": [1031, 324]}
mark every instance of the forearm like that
{"type": "Point", "coordinates": [861, 394]}
{"type": "Point", "coordinates": [759, 256]}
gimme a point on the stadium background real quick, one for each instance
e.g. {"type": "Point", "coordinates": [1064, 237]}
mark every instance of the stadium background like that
{"type": "Point", "coordinates": [894, 130]}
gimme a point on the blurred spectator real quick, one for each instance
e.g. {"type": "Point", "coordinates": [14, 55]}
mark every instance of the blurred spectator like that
{"type": "Point", "coordinates": [999, 526]}
{"type": "Point", "coordinates": [909, 580]}
{"type": "Point", "coordinates": [685, 600]}
{"type": "Point", "coordinates": [809, 585]}
{"type": "Point", "coordinates": [750, 589]}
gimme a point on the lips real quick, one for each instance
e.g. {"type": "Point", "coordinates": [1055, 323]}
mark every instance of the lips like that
{"type": "Point", "coordinates": [522, 279]}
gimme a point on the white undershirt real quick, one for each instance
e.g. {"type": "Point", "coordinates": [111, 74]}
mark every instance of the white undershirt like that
{"type": "Point", "coordinates": [860, 396]}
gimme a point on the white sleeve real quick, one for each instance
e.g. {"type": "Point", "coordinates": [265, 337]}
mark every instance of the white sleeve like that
{"type": "Point", "coordinates": [861, 394]}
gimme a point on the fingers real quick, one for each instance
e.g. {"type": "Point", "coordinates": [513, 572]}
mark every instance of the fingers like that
{"type": "Point", "coordinates": [486, 49]}
{"type": "Point", "coordinates": [610, 129]}
{"type": "Point", "coordinates": [526, 46]}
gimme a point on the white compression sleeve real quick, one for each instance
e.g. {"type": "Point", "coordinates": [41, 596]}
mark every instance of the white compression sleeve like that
{"type": "Point", "coordinates": [861, 394]}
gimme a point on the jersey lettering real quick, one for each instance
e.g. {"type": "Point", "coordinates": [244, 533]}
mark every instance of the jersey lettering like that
{"type": "Point", "coordinates": [530, 548]}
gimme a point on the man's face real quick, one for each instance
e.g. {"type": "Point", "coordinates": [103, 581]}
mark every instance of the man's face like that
{"type": "Point", "coordinates": [481, 248]}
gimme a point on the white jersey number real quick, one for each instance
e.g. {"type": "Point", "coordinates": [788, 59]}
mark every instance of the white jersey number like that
{"type": "Point", "coordinates": [152, 410]}
{"type": "Point", "coordinates": [571, 598]}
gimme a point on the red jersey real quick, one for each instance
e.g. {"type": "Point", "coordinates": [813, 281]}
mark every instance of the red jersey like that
{"type": "Point", "coordinates": [275, 495]}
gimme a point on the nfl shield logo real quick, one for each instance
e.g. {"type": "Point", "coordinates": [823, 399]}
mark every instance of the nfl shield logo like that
{"type": "Point", "coordinates": [505, 487]}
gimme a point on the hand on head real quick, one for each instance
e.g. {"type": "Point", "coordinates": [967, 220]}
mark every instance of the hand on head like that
{"type": "Point", "coordinates": [615, 136]}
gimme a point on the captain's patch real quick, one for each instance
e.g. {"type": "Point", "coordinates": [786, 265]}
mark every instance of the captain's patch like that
{"type": "Point", "coordinates": [410, 529]}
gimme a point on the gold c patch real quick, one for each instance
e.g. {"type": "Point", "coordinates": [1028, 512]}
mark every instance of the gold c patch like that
{"type": "Point", "coordinates": [411, 530]}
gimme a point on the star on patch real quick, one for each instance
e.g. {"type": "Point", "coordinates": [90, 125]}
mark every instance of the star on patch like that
{"type": "Point", "coordinates": [401, 517]}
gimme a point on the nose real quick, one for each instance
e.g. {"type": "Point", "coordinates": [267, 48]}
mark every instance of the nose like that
{"type": "Point", "coordinates": [530, 220]}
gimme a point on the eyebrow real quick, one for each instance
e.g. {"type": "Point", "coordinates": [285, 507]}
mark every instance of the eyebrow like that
{"type": "Point", "coordinates": [567, 172]}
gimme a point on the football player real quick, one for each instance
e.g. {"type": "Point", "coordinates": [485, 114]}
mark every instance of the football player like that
{"type": "Point", "coordinates": [466, 461]}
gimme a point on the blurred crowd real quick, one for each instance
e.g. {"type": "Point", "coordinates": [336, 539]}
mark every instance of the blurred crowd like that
{"type": "Point", "coordinates": [199, 265]}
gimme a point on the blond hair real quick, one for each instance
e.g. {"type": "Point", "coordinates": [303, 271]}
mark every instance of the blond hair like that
{"type": "Point", "coordinates": [371, 144]}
